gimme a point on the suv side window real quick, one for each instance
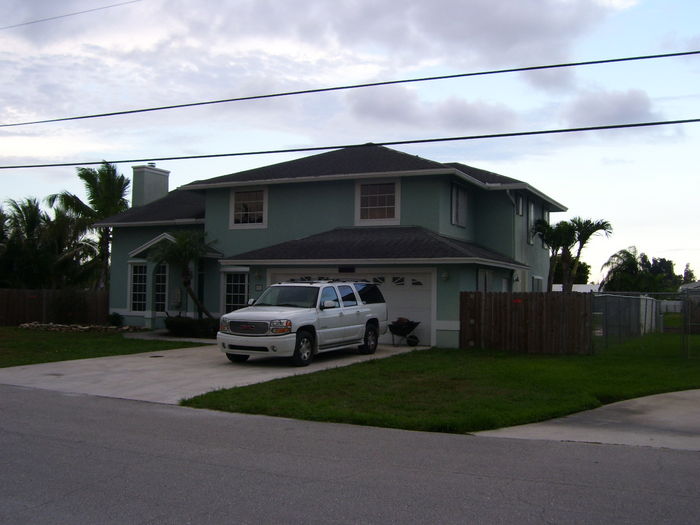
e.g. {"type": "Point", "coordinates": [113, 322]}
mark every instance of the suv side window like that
{"type": "Point", "coordinates": [348, 295]}
{"type": "Point", "coordinates": [329, 294]}
{"type": "Point", "coordinates": [369, 293]}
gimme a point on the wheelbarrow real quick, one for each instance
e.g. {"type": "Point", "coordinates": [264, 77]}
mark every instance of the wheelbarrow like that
{"type": "Point", "coordinates": [402, 329]}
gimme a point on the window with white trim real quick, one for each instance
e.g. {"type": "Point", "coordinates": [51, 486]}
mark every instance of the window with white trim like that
{"type": "Point", "coordinates": [530, 222]}
{"type": "Point", "coordinates": [137, 291]}
{"type": "Point", "coordinates": [235, 291]}
{"type": "Point", "coordinates": [248, 208]}
{"type": "Point", "coordinates": [377, 203]}
{"type": "Point", "coordinates": [459, 206]}
{"type": "Point", "coordinates": [519, 205]}
{"type": "Point", "coordinates": [160, 287]}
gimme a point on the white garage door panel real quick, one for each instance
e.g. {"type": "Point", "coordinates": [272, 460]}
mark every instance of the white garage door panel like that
{"type": "Point", "coordinates": [407, 295]}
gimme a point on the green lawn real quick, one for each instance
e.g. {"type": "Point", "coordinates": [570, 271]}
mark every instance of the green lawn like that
{"type": "Point", "coordinates": [464, 391]}
{"type": "Point", "coordinates": [24, 347]}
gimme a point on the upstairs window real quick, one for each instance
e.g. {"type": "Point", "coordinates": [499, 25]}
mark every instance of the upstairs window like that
{"type": "Point", "coordinates": [459, 206]}
{"type": "Point", "coordinates": [248, 209]}
{"type": "Point", "coordinates": [377, 203]}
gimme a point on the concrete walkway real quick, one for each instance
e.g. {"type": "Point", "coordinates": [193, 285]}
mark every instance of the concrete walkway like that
{"type": "Point", "coordinates": [171, 375]}
{"type": "Point", "coordinates": [665, 420]}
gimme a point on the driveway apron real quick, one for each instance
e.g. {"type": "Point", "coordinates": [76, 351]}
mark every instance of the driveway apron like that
{"type": "Point", "coordinates": [170, 375]}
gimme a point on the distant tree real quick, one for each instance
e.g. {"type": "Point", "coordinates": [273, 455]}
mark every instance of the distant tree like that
{"type": "Point", "coordinates": [186, 249]}
{"type": "Point", "coordinates": [106, 196]}
{"type": "Point", "coordinates": [688, 274]}
{"type": "Point", "coordinates": [630, 271]}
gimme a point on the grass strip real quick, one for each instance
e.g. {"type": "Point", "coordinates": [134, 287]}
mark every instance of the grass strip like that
{"type": "Point", "coordinates": [25, 347]}
{"type": "Point", "coordinates": [459, 391]}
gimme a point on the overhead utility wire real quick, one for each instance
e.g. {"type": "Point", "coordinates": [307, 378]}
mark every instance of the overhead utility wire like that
{"type": "Point", "coordinates": [354, 86]}
{"type": "Point", "coordinates": [67, 15]}
{"type": "Point", "coordinates": [387, 143]}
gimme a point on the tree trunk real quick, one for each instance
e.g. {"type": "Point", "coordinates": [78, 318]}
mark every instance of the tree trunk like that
{"type": "Point", "coordinates": [187, 283]}
{"type": "Point", "coordinates": [567, 284]}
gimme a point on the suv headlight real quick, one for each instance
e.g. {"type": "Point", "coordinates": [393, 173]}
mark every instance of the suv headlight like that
{"type": "Point", "coordinates": [280, 326]}
{"type": "Point", "coordinates": [223, 325]}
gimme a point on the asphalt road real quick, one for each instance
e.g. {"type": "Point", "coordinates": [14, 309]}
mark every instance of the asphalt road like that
{"type": "Point", "coordinates": [78, 459]}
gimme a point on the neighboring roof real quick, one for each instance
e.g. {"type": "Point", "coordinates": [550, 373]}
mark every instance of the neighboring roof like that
{"type": "Point", "coordinates": [366, 161]}
{"type": "Point", "coordinates": [690, 286]}
{"type": "Point", "coordinates": [361, 245]}
{"type": "Point", "coordinates": [177, 207]}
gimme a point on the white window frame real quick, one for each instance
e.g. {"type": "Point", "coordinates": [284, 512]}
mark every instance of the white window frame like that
{"type": "Point", "coordinates": [224, 276]}
{"type": "Point", "coordinates": [232, 209]}
{"type": "Point", "coordinates": [165, 284]}
{"type": "Point", "coordinates": [378, 222]}
{"type": "Point", "coordinates": [460, 206]}
{"type": "Point", "coordinates": [537, 282]}
{"type": "Point", "coordinates": [519, 207]}
{"type": "Point", "coordinates": [130, 287]}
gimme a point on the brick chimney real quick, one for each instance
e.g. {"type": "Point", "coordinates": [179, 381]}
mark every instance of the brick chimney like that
{"type": "Point", "coordinates": [149, 184]}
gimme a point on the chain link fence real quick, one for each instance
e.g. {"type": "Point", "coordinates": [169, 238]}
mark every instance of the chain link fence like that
{"type": "Point", "coordinates": [621, 316]}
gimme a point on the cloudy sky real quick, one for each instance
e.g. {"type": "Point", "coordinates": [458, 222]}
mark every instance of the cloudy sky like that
{"type": "Point", "coordinates": [160, 52]}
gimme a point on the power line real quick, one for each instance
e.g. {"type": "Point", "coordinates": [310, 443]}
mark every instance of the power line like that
{"type": "Point", "coordinates": [67, 15]}
{"type": "Point", "coordinates": [386, 143]}
{"type": "Point", "coordinates": [354, 86]}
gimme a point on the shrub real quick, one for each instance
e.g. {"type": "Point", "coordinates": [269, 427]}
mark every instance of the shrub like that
{"type": "Point", "coordinates": [180, 326]}
{"type": "Point", "coordinates": [115, 319]}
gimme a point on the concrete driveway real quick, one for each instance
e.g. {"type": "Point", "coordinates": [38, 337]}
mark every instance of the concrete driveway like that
{"type": "Point", "coordinates": [170, 375]}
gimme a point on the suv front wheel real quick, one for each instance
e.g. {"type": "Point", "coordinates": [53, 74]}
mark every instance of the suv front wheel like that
{"type": "Point", "coordinates": [304, 349]}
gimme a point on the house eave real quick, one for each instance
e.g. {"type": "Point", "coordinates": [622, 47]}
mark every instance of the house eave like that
{"type": "Point", "coordinates": [366, 262]}
{"type": "Point", "coordinates": [382, 174]}
{"type": "Point", "coordinates": [317, 178]}
{"type": "Point", "coordinates": [173, 222]}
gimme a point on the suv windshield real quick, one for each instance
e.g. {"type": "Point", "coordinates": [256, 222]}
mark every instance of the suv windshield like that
{"type": "Point", "coordinates": [295, 296]}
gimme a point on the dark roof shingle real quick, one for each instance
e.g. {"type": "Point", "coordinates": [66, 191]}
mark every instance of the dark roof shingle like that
{"type": "Point", "coordinates": [368, 158]}
{"type": "Point", "coordinates": [361, 243]}
{"type": "Point", "coordinates": [178, 205]}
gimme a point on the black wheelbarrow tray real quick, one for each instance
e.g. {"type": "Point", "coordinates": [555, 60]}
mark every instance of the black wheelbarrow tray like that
{"type": "Point", "coordinates": [403, 330]}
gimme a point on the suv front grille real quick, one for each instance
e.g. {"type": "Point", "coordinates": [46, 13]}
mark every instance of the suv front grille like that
{"type": "Point", "coordinates": [248, 327]}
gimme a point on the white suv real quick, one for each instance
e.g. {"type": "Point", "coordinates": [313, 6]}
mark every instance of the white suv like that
{"type": "Point", "coordinates": [300, 319]}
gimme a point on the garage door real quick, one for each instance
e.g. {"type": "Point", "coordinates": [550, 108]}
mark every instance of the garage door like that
{"type": "Point", "coordinates": [408, 295]}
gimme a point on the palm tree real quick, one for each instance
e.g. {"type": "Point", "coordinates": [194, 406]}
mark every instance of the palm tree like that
{"type": "Point", "coordinates": [106, 194]}
{"type": "Point", "coordinates": [185, 249]}
{"type": "Point", "coordinates": [585, 229]}
{"type": "Point", "coordinates": [623, 271]}
{"type": "Point", "coordinates": [559, 239]}
{"type": "Point", "coordinates": [25, 262]}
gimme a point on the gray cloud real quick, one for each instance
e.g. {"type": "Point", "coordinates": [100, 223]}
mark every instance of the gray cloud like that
{"type": "Point", "coordinates": [593, 108]}
{"type": "Point", "coordinates": [400, 107]}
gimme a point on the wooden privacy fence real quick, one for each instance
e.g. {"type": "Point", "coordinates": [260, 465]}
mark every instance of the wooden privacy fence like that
{"type": "Point", "coordinates": [53, 306]}
{"type": "Point", "coordinates": [532, 323]}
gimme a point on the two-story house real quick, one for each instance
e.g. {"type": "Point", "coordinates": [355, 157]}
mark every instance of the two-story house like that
{"type": "Point", "coordinates": [423, 230]}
